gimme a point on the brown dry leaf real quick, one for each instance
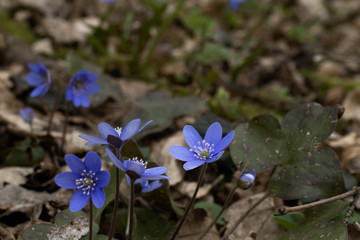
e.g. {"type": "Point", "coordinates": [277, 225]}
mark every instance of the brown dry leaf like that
{"type": "Point", "coordinates": [254, 222]}
{"type": "Point", "coordinates": [74, 230]}
{"type": "Point", "coordinates": [197, 222]}
{"type": "Point", "coordinates": [159, 152]}
{"type": "Point", "coordinates": [134, 89]}
{"type": "Point", "coordinates": [352, 106]}
{"type": "Point", "coordinates": [14, 175]}
{"type": "Point", "coordinates": [188, 188]}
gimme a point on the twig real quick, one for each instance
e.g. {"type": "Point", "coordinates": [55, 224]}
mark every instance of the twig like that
{"type": "Point", "coordinates": [286, 210]}
{"type": "Point", "coordinates": [352, 205]}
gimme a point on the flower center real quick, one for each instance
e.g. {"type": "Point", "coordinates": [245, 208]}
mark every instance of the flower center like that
{"type": "Point", "coordinates": [78, 86]}
{"type": "Point", "coordinates": [142, 162]}
{"type": "Point", "coordinates": [203, 151]}
{"type": "Point", "coordinates": [118, 130]}
{"type": "Point", "coordinates": [87, 182]}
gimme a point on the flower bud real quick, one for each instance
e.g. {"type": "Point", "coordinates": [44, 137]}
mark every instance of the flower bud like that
{"type": "Point", "coordinates": [247, 180]}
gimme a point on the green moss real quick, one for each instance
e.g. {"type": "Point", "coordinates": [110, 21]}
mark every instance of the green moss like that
{"type": "Point", "coordinates": [251, 110]}
{"type": "Point", "coordinates": [17, 29]}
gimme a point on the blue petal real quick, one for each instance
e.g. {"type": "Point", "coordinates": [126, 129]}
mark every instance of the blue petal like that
{"type": "Point", "coordinates": [92, 76]}
{"type": "Point", "coordinates": [33, 67]}
{"type": "Point", "coordinates": [78, 201]}
{"type": "Point", "coordinates": [104, 178]}
{"type": "Point", "coordinates": [105, 130]}
{"type": "Point", "coordinates": [98, 197]}
{"type": "Point", "coordinates": [191, 136]}
{"type": "Point", "coordinates": [93, 161]}
{"type": "Point", "coordinates": [74, 163]}
{"type": "Point", "coordinates": [214, 133]}
{"type": "Point", "coordinates": [93, 140]}
{"type": "Point", "coordinates": [155, 177]}
{"type": "Point", "coordinates": [39, 91]}
{"type": "Point", "coordinates": [114, 160]}
{"type": "Point", "coordinates": [69, 95]}
{"type": "Point", "coordinates": [224, 142]}
{"type": "Point", "coordinates": [154, 173]}
{"type": "Point", "coordinates": [193, 164]}
{"type": "Point", "coordinates": [216, 157]}
{"type": "Point", "coordinates": [67, 180]}
{"type": "Point", "coordinates": [144, 125]}
{"type": "Point", "coordinates": [134, 166]}
{"type": "Point", "coordinates": [182, 153]}
{"type": "Point", "coordinates": [146, 187]}
{"type": "Point", "coordinates": [34, 79]}
{"type": "Point", "coordinates": [130, 129]}
{"type": "Point", "coordinates": [84, 100]}
{"type": "Point", "coordinates": [92, 88]}
{"type": "Point", "coordinates": [77, 100]}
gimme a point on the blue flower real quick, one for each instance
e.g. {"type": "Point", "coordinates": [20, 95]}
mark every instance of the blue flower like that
{"type": "Point", "coordinates": [40, 78]}
{"type": "Point", "coordinates": [80, 86]}
{"type": "Point", "coordinates": [27, 114]}
{"type": "Point", "coordinates": [136, 168]}
{"type": "Point", "coordinates": [146, 186]}
{"type": "Point", "coordinates": [86, 178]}
{"type": "Point", "coordinates": [208, 150]}
{"type": "Point", "coordinates": [247, 179]}
{"type": "Point", "coordinates": [234, 4]}
{"type": "Point", "coordinates": [115, 137]}
{"type": "Point", "coordinates": [108, 1]}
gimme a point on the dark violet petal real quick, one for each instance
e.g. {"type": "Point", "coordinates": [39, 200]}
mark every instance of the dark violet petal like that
{"type": "Point", "coordinates": [216, 157]}
{"type": "Point", "coordinates": [74, 163]}
{"type": "Point", "coordinates": [98, 197]}
{"type": "Point", "coordinates": [182, 153]}
{"type": "Point", "coordinates": [191, 136]}
{"type": "Point", "coordinates": [104, 178]}
{"type": "Point", "coordinates": [214, 133]}
{"type": "Point", "coordinates": [66, 180]}
{"type": "Point", "coordinates": [144, 125]}
{"type": "Point", "coordinates": [114, 160]}
{"type": "Point", "coordinates": [130, 129]}
{"type": "Point", "coordinates": [93, 140]}
{"type": "Point", "coordinates": [93, 88]}
{"type": "Point", "coordinates": [78, 201]}
{"type": "Point", "coordinates": [224, 142]}
{"type": "Point", "coordinates": [105, 130]}
{"type": "Point", "coordinates": [93, 161]}
{"type": "Point", "coordinates": [193, 164]}
{"type": "Point", "coordinates": [134, 166]}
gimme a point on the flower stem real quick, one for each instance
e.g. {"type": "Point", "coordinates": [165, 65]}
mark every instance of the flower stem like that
{"type": "Point", "coordinates": [220, 213]}
{"type": "Point", "coordinates": [190, 204]}
{"type": "Point", "coordinates": [116, 200]}
{"type": "Point", "coordinates": [63, 137]}
{"type": "Point", "coordinates": [91, 220]}
{"type": "Point", "coordinates": [52, 111]}
{"type": "Point", "coordinates": [244, 216]}
{"type": "Point", "coordinates": [130, 222]}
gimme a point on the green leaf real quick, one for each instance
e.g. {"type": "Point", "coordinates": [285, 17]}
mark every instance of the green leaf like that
{"type": "Point", "coordinates": [214, 53]}
{"type": "Point", "coordinates": [38, 231]}
{"type": "Point", "coordinates": [109, 194]}
{"type": "Point", "coordinates": [215, 209]}
{"type": "Point", "coordinates": [24, 144]}
{"type": "Point", "coordinates": [151, 226]}
{"type": "Point", "coordinates": [289, 220]}
{"type": "Point", "coordinates": [198, 22]}
{"type": "Point", "coordinates": [304, 170]}
{"type": "Point", "coordinates": [162, 109]}
{"type": "Point", "coordinates": [17, 157]}
{"type": "Point", "coordinates": [67, 216]}
{"type": "Point", "coordinates": [37, 154]}
{"type": "Point", "coordinates": [319, 223]}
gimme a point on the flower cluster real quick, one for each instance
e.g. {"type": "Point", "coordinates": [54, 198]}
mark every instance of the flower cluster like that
{"type": "Point", "coordinates": [209, 149]}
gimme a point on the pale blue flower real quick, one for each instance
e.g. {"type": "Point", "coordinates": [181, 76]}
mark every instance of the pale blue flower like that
{"type": "Point", "coordinates": [27, 114]}
{"type": "Point", "coordinates": [40, 78]}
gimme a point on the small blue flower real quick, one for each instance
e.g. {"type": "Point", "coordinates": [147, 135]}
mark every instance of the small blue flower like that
{"type": "Point", "coordinates": [108, 1]}
{"type": "Point", "coordinates": [40, 78]}
{"type": "Point", "coordinates": [247, 179]}
{"type": "Point", "coordinates": [208, 150]}
{"type": "Point", "coordinates": [80, 86]}
{"type": "Point", "coordinates": [234, 4]}
{"type": "Point", "coordinates": [146, 186]}
{"type": "Point", "coordinates": [115, 137]}
{"type": "Point", "coordinates": [86, 178]}
{"type": "Point", "coordinates": [27, 114]}
{"type": "Point", "coordinates": [136, 168]}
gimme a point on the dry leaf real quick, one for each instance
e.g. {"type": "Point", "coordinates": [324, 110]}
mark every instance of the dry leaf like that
{"type": "Point", "coordinates": [14, 175]}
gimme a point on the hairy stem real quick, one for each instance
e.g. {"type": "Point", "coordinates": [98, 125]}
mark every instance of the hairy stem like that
{"type": "Point", "coordinates": [130, 223]}
{"type": "Point", "coordinates": [63, 137]}
{"type": "Point", "coordinates": [52, 111]}
{"type": "Point", "coordinates": [91, 220]}
{"type": "Point", "coordinates": [245, 215]}
{"type": "Point", "coordinates": [116, 200]}
{"type": "Point", "coordinates": [190, 204]}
